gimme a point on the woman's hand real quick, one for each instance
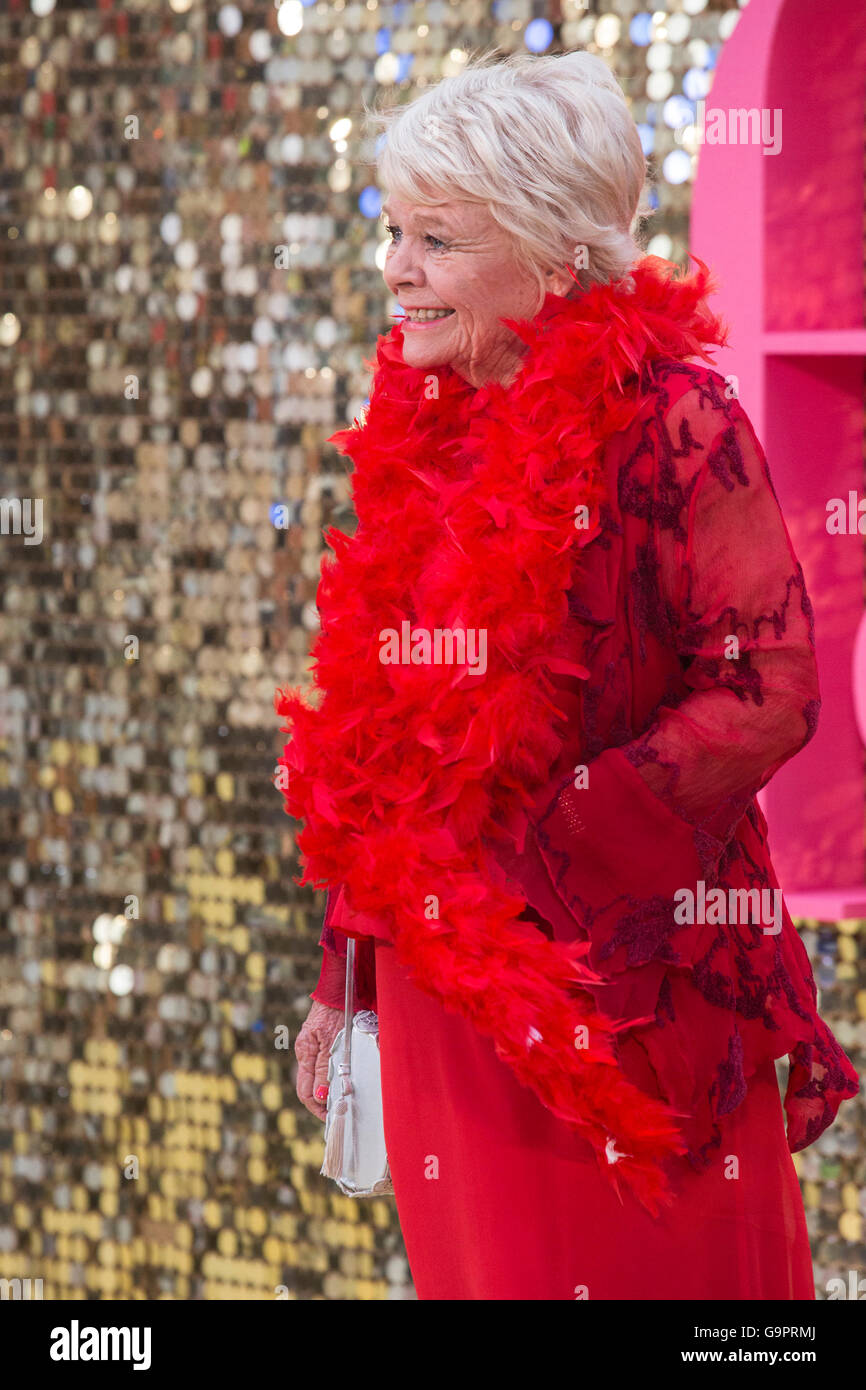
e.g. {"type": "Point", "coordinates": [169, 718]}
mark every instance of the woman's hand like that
{"type": "Point", "coordinates": [312, 1047]}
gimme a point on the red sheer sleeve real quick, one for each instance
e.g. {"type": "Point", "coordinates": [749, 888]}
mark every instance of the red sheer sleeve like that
{"type": "Point", "coordinates": [741, 624]}
{"type": "Point", "coordinates": [331, 987]}
{"type": "Point", "coordinates": [675, 805]}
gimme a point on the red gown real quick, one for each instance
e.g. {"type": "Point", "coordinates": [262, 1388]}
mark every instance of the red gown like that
{"type": "Point", "coordinates": [703, 683]}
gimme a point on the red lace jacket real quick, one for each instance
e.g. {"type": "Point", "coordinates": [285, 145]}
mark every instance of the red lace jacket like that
{"type": "Point", "coordinates": [703, 683]}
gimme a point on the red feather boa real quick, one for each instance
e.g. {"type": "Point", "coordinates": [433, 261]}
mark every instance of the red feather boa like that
{"type": "Point", "coordinates": [466, 503]}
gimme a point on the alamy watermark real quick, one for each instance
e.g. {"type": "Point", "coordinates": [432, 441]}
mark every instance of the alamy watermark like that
{"type": "Point", "coordinates": [740, 126]}
{"type": "Point", "coordinates": [76, 1343]}
{"type": "Point", "coordinates": [443, 646]}
{"type": "Point", "coordinates": [734, 905]}
{"type": "Point", "coordinates": [23, 1290]}
{"type": "Point", "coordinates": [22, 517]}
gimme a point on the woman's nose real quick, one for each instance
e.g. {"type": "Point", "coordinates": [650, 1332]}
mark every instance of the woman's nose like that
{"type": "Point", "coordinates": [403, 266]}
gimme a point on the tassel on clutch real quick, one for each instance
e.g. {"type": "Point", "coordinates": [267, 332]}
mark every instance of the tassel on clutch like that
{"type": "Point", "coordinates": [355, 1153]}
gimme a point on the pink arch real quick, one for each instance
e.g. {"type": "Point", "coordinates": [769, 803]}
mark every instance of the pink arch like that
{"type": "Point", "coordinates": [784, 234]}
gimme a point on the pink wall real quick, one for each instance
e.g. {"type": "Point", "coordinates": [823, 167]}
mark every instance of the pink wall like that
{"type": "Point", "coordinates": [785, 234]}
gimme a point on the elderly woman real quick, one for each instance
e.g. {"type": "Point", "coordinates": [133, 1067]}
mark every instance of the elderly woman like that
{"type": "Point", "coordinates": [566, 646]}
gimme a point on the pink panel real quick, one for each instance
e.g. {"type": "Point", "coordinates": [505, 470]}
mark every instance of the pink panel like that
{"type": "Point", "coordinates": [813, 231]}
{"type": "Point", "coordinates": [784, 234]}
{"type": "Point", "coordinates": [815, 804]}
{"type": "Point", "coordinates": [858, 679]}
{"type": "Point", "coordinates": [726, 218]}
{"type": "Point", "coordinates": [831, 906]}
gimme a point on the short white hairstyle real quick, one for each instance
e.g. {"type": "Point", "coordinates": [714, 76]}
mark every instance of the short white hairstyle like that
{"type": "Point", "coordinates": [546, 143]}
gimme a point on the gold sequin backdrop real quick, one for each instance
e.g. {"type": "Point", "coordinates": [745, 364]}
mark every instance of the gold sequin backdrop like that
{"type": "Point", "coordinates": [190, 252]}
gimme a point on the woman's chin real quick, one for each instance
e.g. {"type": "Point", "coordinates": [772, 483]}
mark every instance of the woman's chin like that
{"type": "Point", "coordinates": [417, 354]}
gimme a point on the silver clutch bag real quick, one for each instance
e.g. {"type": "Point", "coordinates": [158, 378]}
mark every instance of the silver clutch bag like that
{"type": "Point", "coordinates": [355, 1154]}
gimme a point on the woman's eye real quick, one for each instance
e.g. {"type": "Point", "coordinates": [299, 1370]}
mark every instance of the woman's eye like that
{"type": "Point", "coordinates": [395, 232]}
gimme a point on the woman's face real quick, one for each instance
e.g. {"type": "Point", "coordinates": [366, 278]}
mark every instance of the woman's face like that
{"type": "Point", "coordinates": [455, 257]}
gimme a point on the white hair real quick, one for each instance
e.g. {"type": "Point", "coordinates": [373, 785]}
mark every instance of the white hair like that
{"type": "Point", "coordinates": [546, 143]}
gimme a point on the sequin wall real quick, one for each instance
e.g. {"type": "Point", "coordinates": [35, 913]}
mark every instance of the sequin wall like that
{"type": "Point", "coordinates": [190, 281]}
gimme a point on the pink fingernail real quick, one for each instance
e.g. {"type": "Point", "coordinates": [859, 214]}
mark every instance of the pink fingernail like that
{"type": "Point", "coordinates": [321, 1092]}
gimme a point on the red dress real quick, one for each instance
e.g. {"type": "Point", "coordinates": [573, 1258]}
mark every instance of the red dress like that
{"type": "Point", "coordinates": [703, 683]}
{"type": "Point", "coordinates": [498, 1199]}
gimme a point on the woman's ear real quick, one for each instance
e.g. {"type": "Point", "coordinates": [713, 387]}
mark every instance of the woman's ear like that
{"type": "Point", "coordinates": [559, 282]}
